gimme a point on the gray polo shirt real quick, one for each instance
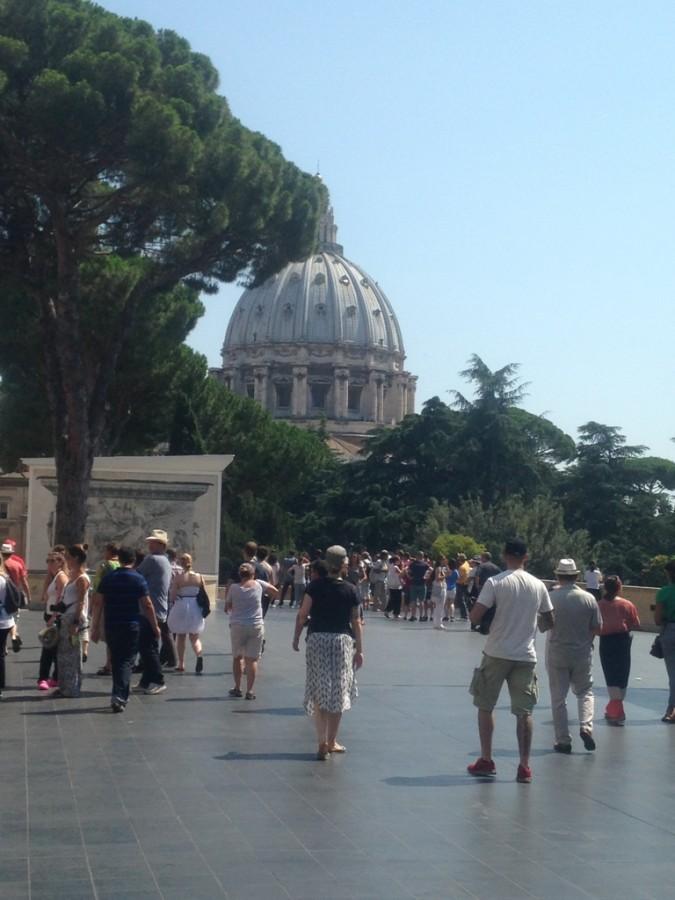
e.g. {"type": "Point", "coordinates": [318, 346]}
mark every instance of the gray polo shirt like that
{"type": "Point", "coordinates": [156, 569]}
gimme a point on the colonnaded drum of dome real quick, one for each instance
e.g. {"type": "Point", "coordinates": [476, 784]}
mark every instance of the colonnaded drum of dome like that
{"type": "Point", "coordinates": [320, 342]}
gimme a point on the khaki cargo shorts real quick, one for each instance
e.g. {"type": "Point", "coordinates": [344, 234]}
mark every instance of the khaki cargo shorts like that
{"type": "Point", "coordinates": [520, 677]}
{"type": "Point", "coordinates": [247, 640]}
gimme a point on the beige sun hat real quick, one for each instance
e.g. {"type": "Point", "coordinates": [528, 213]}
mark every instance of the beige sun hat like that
{"type": "Point", "coordinates": [158, 534]}
{"type": "Point", "coordinates": [566, 567]}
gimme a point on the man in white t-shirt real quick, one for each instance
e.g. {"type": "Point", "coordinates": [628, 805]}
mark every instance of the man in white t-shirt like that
{"type": "Point", "coordinates": [521, 602]}
{"type": "Point", "coordinates": [593, 579]}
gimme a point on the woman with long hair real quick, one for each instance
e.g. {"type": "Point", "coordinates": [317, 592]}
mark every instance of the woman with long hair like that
{"type": "Point", "coordinates": [334, 649]}
{"type": "Point", "coordinates": [56, 582]}
{"type": "Point", "coordinates": [185, 616]}
{"type": "Point", "coordinates": [664, 616]}
{"type": "Point", "coordinates": [619, 618]}
{"type": "Point", "coordinates": [72, 622]}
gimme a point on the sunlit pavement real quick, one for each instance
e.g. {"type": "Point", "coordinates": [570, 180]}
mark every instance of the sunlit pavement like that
{"type": "Point", "coordinates": [190, 794]}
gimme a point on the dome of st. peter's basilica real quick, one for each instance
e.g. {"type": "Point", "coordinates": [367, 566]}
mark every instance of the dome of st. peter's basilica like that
{"type": "Point", "coordinates": [320, 341]}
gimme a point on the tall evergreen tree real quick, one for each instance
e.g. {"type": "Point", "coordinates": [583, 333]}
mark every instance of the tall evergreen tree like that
{"type": "Point", "coordinates": [123, 175]}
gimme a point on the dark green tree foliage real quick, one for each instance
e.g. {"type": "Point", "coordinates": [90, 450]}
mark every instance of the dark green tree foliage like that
{"type": "Point", "coordinates": [123, 175]}
{"type": "Point", "coordinates": [505, 450]}
{"type": "Point", "coordinates": [139, 405]}
{"type": "Point", "coordinates": [620, 497]}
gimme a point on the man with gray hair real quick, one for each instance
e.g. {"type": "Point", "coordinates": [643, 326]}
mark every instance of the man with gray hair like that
{"type": "Point", "coordinates": [569, 655]}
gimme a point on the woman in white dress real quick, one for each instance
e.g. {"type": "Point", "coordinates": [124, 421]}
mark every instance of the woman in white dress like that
{"type": "Point", "coordinates": [186, 616]}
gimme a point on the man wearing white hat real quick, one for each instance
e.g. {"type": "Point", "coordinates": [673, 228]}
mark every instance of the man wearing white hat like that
{"type": "Point", "coordinates": [569, 655]}
{"type": "Point", "coordinates": [156, 569]}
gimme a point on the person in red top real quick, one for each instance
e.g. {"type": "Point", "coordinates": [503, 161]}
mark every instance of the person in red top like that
{"type": "Point", "coordinates": [16, 569]}
{"type": "Point", "coordinates": [619, 618]}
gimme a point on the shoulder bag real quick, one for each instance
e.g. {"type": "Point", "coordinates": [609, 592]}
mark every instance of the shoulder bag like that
{"type": "Point", "coordinates": [12, 597]}
{"type": "Point", "coordinates": [203, 601]}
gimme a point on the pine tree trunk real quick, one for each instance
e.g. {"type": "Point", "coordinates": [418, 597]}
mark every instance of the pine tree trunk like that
{"type": "Point", "coordinates": [73, 472]}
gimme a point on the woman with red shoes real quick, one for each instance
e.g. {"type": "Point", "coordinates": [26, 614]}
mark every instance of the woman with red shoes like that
{"type": "Point", "coordinates": [619, 618]}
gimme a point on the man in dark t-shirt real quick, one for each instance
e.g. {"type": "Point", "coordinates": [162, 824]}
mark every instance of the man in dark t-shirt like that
{"type": "Point", "coordinates": [418, 573]}
{"type": "Point", "coordinates": [126, 602]}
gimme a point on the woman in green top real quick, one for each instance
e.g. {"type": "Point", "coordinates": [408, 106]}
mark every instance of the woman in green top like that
{"type": "Point", "coordinates": [664, 615]}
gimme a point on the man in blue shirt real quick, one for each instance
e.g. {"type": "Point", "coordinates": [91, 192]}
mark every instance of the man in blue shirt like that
{"type": "Point", "coordinates": [126, 603]}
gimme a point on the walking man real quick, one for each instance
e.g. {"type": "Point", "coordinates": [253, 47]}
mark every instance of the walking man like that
{"type": "Point", "coordinates": [156, 569]}
{"type": "Point", "coordinates": [569, 655]}
{"type": "Point", "coordinates": [521, 602]}
{"type": "Point", "coordinates": [123, 594]}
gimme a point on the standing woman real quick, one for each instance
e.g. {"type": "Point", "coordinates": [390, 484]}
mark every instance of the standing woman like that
{"type": "Point", "coordinates": [185, 616]}
{"type": "Point", "coordinates": [439, 592]}
{"type": "Point", "coordinates": [664, 615]}
{"type": "Point", "coordinates": [57, 580]}
{"type": "Point", "coordinates": [6, 623]}
{"type": "Point", "coordinates": [394, 587]}
{"type": "Point", "coordinates": [334, 649]}
{"type": "Point", "coordinates": [619, 618]}
{"type": "Point", "coordinates": [72, 621]}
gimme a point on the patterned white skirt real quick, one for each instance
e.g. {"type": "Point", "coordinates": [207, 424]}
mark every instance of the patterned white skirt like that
{"type": "Point", "coordinates": [331, 681]}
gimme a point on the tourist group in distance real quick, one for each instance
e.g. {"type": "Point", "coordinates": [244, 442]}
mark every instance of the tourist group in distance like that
{"type": "Point", "coordinates": [146, 605]}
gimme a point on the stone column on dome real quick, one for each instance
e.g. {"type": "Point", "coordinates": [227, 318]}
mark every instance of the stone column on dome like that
{"type": "Point", "coordinates": [370, 409]}
{"type": "Point", "coordinates": [410, 394]}
{"type": "Point", "coordinates": [261, 377]}
{"type": "Point", "coordinates": [380, 399]}
{"type": "Point", "coordinates": [300, 391]}
{"type": "Point", "coordinates": [402, 398]}
{"type": "Point", "coordinates": [340, 389]}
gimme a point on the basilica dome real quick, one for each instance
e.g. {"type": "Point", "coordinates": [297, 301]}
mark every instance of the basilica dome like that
{"type": "Point", "coordinates": [320, 341]}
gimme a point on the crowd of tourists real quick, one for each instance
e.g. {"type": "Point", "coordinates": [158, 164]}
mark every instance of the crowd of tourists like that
{"type": "Point", "coordinates": [146, 606]}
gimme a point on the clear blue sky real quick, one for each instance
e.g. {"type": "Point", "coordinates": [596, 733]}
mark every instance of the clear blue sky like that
{"type": "Point", "coordinates": [505, 170]}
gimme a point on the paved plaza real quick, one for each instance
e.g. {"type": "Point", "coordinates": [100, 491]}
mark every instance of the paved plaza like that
{"type": "Point", "coordinates": [193, 795]}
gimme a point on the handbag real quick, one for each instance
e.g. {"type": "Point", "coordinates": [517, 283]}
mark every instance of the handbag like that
{"type": "Point", "coordinates": [203, 601]}
{"type": "Point", "coordinates": [12, 602]}
{"type": "Point", "coordinates": [49, 636]}
{"type": "Point", "coordinates": [657, 647]}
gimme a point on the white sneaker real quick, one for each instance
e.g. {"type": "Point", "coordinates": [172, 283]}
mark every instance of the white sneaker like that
{"type": "Point", "coordinates": [155, 688]}
{"type": "Point", "coordinates": [440, 628]}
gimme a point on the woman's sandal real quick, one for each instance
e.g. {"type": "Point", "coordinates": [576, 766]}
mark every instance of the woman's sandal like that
{"type": "Point", "coordinates": [338, 748]}
{"type": "Point", "coordinates": [669, 717]}
{"type": "Point", "coordinates": [180, 669]}
{"type": "Point", "coordinates": [235, 692]}
{"type": "Point", "coordinates": [250, 695]}
{"type": "Point", "coordinates": [323, 752]}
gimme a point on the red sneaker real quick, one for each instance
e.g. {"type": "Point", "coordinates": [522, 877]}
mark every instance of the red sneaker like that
{"type": "Point", "coordinates": [482, 768]}
{"type": "Point", "coordinates": [524, 775]}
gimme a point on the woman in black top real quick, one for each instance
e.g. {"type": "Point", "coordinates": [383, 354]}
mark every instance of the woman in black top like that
{"type": "Point", "coordinates": [334, 649]}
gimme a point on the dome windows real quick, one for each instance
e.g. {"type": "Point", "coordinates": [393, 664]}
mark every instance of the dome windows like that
{"type": "Point", "coordinates": [320, 309]}
{"type": "Point", "coordinates": [344, 279]}
{"type": "Point", "coordinates": [377, 312]}
{"type": "Point", "coordinates": [295, 277]}
{"type": "Point", "coordinates": [287, 309]}
{"type": "Point", "coordinates": [319, 278]}
{"type": "Point", "coordinates": [350, 310]}
{"type": "Point", "coordinates": [365, 283]}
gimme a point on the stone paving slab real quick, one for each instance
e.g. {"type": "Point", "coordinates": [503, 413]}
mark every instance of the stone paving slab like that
{"type": "Point", "coordinates": [190, 794]}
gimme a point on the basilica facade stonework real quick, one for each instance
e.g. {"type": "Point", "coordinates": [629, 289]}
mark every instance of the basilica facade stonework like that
{"type": "Point", "coordinates": [320, 342]}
